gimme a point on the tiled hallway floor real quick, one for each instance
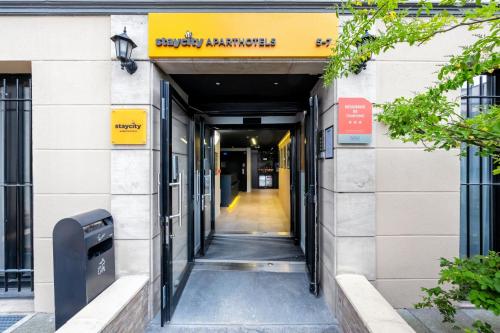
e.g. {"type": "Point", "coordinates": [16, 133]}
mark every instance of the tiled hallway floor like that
{"type": "Point", "coordinates": [253, 248]}
{"type": "Point", "coordinates": [257, 211]}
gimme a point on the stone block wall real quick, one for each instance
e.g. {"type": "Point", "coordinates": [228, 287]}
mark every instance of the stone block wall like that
{"type": "Point", "coordinates": [361, 308]}
{"type": "Point", "coordinates": [70, 126]}
{"type": "Point", "coordinates": [389, 210]}
{"type": "Point", "coordinates": [122, 307]}
{"type": "Point", "coordinates": [134, 317]}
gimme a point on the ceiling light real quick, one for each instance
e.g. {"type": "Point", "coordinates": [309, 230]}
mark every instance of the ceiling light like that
{"type": "Point", "coordinates": [275, 83]}
{"type": "Point", "coordinates": [254, 142]}
{"type": "Point", "coordinates": [217, 83]}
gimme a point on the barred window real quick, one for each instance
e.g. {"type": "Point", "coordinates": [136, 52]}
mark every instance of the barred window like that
{"type": "Point", "coordinates": [16, 237]}
{"type": "Point", "coordinates": [480, 189]}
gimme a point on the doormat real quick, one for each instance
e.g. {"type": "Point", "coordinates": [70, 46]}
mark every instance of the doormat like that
{"type": "Point", "coordinates": [7, 321]}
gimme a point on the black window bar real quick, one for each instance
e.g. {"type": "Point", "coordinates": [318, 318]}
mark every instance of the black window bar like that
{"type": "Point", "coordinates": [16, 204]}
{"type": "Point", "coordinates": [479, 189]}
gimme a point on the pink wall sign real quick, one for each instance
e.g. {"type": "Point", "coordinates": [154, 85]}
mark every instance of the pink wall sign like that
{"type": "Point", "coordinates": [355, 120]}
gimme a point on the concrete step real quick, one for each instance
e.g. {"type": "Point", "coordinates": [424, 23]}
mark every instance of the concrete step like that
{"type": "Point", "coordinates": [248, 301]}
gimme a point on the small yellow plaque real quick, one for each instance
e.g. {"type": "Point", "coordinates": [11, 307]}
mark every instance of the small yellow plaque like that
{"type": "Point", "coordinates": [128, 127]}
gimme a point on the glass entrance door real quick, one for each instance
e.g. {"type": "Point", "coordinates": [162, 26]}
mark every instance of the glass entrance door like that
{"type": "Point", "coordinates": [205, 223]}
{"type": "Point", "coordinates": [207, 185]}
{"type": "Point", "coordinates": [175, 190]}
{"type": "Point", "coordinates": [198, 250]}
{"type": "Point", "coordinates": [312, 223]}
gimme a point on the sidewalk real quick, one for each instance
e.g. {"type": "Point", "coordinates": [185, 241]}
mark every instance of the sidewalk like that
{"type": "Point", "coordinates": [430, 320]}
{"type": "Point", "coordinates": [39, 323]}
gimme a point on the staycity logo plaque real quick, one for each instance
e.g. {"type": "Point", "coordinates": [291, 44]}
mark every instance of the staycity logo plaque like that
{"type": "Point", "coordinates": [128, 127]}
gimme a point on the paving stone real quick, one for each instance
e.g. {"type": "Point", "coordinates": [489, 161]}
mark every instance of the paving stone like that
{"type": "Point", "coordinates": [416, 324]}
{"type": "Point", "coordinates": [484, 315]}
{"type": "Point", "coordinates": [433, 320]}
{"type": "Point", "coordinates": [39, 323]}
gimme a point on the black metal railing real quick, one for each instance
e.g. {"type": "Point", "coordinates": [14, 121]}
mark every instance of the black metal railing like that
{"type": "Point", "coordinates": [16, 204]}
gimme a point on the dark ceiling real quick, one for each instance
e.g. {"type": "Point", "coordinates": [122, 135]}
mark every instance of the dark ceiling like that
{"type": "Point", "coordinates": [265, 138]}
{"type": "Point", "coordinates": [242, 94]}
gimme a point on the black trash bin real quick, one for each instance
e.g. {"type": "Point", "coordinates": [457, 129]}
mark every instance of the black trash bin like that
{"type": "Point", "coordinates": [84, 261]}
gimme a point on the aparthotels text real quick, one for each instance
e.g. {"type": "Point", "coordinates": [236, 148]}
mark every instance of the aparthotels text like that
{"type": "Point", "coordinates": [211, 42]}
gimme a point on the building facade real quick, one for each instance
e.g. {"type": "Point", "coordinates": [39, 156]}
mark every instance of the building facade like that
{"type": "Point", "coordinates": [387, 210]}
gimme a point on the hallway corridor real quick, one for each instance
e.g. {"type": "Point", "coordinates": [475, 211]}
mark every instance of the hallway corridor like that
{"type": "Point", "coordinates": [259, 211]}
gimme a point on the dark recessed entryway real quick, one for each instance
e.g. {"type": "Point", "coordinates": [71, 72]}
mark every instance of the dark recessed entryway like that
{"type": "Point", "coordinates": [247, 94]}
{"type": "Point", "coordinates": [241, 138]}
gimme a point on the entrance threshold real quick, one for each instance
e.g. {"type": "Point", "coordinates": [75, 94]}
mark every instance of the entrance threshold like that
{"type": "Point", "coordinates": [250, 266]}
{"type": "Point", "coordinates": [283, 234]}
{"type": "Point", "coordinates": [248, 301]}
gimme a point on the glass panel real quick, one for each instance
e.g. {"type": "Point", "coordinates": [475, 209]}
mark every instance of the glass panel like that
{"type": "Point", "coordinates": [123, 48]}
{"type": "Point", "coordinates": [2, 130]}
{"type": "Point", "coordinates": [129, 50]}
{"type": "Point", "coordinates": [463, 166]}
{"type": "Point", "coordinates": [474, 166]}
{"type": "Point", "coordinates": [179, 148]}
{"type": "Point", "coordinates": [2, 228]}
{"type": "Point", "coordinates": [27, 135]}
{"type": "Point", "coordinates": [197, 188]}
{"type": "Point", "coordinates": [2, 180]}
{"type": "Point", "coordinates": [463, 221]}
{"type": "Point", "coordinates": [26, 227]}
{"type": "Point", "coordinates": [207, 183]}
{"type": "Point", "coordinates": [486, 218]}
{"type": "Point", "coordinates": [474, 219]}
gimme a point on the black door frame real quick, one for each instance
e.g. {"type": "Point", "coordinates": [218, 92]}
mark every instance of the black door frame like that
{"type": "Point", "coordinates": [312, 223]}
{"type": "Point", "coordinates": [295, 188]}
{"type": "Point", "coordinates": [169, 299]}
{"type": "Point", "coordinates": [205, 241]}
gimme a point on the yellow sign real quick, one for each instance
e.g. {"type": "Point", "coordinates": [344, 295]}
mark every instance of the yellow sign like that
{"type": "Point", "coordinates": [241, 35]}
{"type": "Point", "coordinates": [128, 127]}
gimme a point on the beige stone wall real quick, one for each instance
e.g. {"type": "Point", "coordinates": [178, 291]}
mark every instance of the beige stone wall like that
{"type": "Point", "coordinates": [417, 192]}
{"type": "Point", "coordinates": [389, 210]}
{"type": "Point", "coordinates": [71, 71]}
{"type": "Point", "coordinates": [134, 169]}
{"type": "Point", "coordinates": [76, 84]}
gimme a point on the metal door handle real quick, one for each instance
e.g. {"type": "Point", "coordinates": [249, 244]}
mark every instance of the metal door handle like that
{"type": "Point", "coordinates": [159, 199]}
{"type": "Point", "coordinates": [198, 186]}
{"type": "Point", "coordinates": [178, 184]}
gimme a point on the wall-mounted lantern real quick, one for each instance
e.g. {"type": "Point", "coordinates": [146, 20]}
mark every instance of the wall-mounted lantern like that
{"type": "Point", "coordinates": [124, 46]}
{"type": "Point", "coordinates": [366, 38]}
